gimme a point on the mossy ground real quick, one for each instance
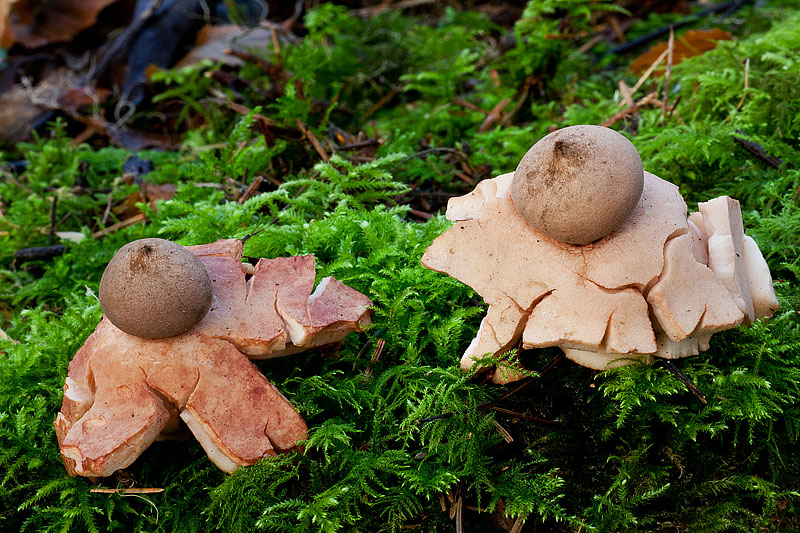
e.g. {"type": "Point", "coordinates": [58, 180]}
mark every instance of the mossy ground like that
{"type": "Point", "coordinates": [628, 449]}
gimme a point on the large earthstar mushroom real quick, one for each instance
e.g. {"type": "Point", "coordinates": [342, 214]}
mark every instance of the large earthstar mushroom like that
{"type": "Point", "coordinates": [580, 248]}
{"type": "Point", "coordinates": [189, 360]}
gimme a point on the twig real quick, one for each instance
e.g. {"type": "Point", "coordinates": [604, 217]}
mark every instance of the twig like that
{"type": "Point", "coordinates": [522, 415]}
{"type": "Point", "coordinates": [625, 91]}
{"type": "Point", "coordinates": [53, 212]}
{"type": "Point", "coordinates": [588, 45]}
{"type": "Point", "coordinates": [107, 210]}
{"type": "Point", "coordinates": [685, 380]}
{"type": "Point", "coordinates": [127, 491]}
{"type": "Point", "coordinates": [359, 144]}
{"type": "Point", "coordinates": [523, 95]}
{"type": "Point", "coordinates": [757, 150]}
{"type": "Point", "coordinates": [313, 139]}
{"type": "Point", "coordinates": [617, 29]}
{"type": "Point", "coordinates": [493, 116]}
{"type": "Point", "coordinates": [251, 189]}
{"type": "Point", "coordinates": [421, 214]}
{"type": "Point", "coordinates": [746, 82]}
{"type": "Point", "coordinates": [376, 355]}
{"type": "Point", "coordinates": [276, 46]}
{"type": "Point", "coordinates": [648, 99]}
{"type": "Point", "coordinates": [250, 235]}
{"type": "Point", "coordinates": [119, 225]}
{"type": "Point", "coordinates": [490, 404]}
{"type": "Point", "coordinates": [670, 49]}
{"type": "Point", "coordinates": [503, 432]}
{"type": "Point", "coordinates": [648, 72]}
{"type": "Point", "coordinates": [380, 103]}
{"type": "Point", "coordinates": [274, 71]}
{"type": "Point", "coordinates": [468, 105]}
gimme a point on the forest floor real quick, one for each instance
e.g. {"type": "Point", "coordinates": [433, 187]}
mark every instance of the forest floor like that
{"type": "Point", "coordinates": [341, 130]}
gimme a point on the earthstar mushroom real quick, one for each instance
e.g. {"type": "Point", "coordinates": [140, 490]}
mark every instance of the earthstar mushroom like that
{"type": "Point", "coordinates": [656, 285]}
{"type": "Point", "coordinates": [123, 392]}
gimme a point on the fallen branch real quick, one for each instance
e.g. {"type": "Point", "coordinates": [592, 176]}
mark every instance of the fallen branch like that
{"type": "Point", "coordinates": [758, 151]}
{"type": "Point", "coordinates": [39, 253]}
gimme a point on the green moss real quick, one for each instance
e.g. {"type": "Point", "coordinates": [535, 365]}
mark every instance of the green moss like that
{"type": "Point", "coordinates": [628, 449]}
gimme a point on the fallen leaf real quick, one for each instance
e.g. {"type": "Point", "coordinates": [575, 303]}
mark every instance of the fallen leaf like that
{"type": "Point", "coordinates": [6, 36]}
{"type": "Point", "coordinates": [148, 193]}
{"type": "Point", "coordinates": [213, 41]}
{"type": "Point", "coordinates": [36, 23]}
{"type": "Point", "coordinates": [692, 43]}
{"type": "Point", "coordinates": [17, 113]}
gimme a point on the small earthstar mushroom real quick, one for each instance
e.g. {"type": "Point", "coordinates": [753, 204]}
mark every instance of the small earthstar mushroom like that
{"type": "Point", "coordinates": [154, 288]}
{"type": "Point", "coordinates": [578, 184]}
{"type": "Point", "coordinates": [122, 392]}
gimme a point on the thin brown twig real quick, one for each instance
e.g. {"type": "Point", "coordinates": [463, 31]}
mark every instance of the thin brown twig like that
{"type": "Point", "coordinates": [685, 380]}
{"type": "Point", "coordinates": [380, 103]}
{"type": "Point", "coordinates": [494, 115]}
{"type": "Point", "coordinates": [588, 45]}
{"type": "Point", "coordinates": [645, 100]}
{"type": "Point", "coordinates": [360, 144]}
{"type": "Point", "coordinates": [276, 46]}
{"type": "Point", "coordinates": [468, 105]}
{"type": "Point", "coordinates": [127, 491]}
{"type": "Point", "coordinates": [119, 225]}
{"type": "Point", "coordinates": [523, 95]}
{"type": "Point", "coordinates": [670, 49]}
{"type": "Point", "coordinates": [251, 189]}
{"type": "Point", "coordinates": [746, 82]}
{"type": "Point", "coordinates": [523, 416]}
{"type": "Point", "coordinates": [644, 77]}
{"type": "Point", "coordinates": [313, 139]}
{"type": "Point", "coordinates": [53, 213]}
{"type": "Point", "coordinates": [617, 29]}
{"type": "Point", "coordinates": [503, 432]}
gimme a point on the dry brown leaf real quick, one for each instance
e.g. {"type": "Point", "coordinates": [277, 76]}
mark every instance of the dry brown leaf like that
{"type": "Point", "coordinates": [6, 36]}
{"type": "Point", "coordinates": [213, 41]}
{"type": "Point", "coordinates": [148, 193]}
{"type": "Point", "coordinates": [692, 43]}
{"type": "Point", "coordinates": [17, 113]}
{"type": "Point", "coordinates": [35, 23]}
